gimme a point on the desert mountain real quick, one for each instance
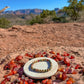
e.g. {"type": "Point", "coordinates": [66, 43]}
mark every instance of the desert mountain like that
{"type": "Point", "coordinates": [26, 11]}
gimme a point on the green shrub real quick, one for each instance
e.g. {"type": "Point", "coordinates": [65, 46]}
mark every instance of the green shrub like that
{"type": "Point", "coordinates": [44, 14]}
{"type": "Point", "coordinates": [75, 6]}
{"type": "Point", "coordinates": [60, 19]}
{"type": "Point", "coordinates": [47, 13]}
{"type": "Point", "coordinates": [44, 17]}
{"type": "Point", "coordinates": [37, 19]}
{"type": "Point", "coordinates": [4, 23]}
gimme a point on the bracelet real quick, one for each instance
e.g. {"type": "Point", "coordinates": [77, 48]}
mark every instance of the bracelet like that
{"type": "Point", "coordinates": [38, 70]}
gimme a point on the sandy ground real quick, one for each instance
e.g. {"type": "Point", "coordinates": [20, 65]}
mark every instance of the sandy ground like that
{"type": "Point", "coordinates": [18, 40]}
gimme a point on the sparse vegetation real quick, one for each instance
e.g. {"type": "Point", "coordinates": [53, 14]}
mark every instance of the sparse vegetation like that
{"type": "Point", "coordinates": [37, 19]}
{"type": "Point", "coordinates": [45, 17]}
{"type": "Point", "coordinates": [18, 19]}
{"type": "Point", "coordinates": [47, 13]}
{"type": "Point", "coordinates": [4, 23]}
{"type": "Point", "coordinates": [73, 12]}
{"type": "Point", "coordinates": [60, 19]}
{"type": "Point", "coordinates": [74, 8]}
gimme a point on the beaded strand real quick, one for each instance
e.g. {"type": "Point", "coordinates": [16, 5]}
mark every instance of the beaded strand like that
{"type": "Point", "coordinates": [38, 70]}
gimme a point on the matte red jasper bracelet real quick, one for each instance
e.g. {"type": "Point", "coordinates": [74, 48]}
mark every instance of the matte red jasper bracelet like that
{"type": "Point", "coordinates": [39, 70]}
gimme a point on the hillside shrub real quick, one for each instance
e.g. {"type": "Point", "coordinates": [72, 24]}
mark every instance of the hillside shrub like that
{"type": "Point", "coordinates": [4, 23]}
{"type": "Point", "coordinates": [75, 6]}
{"type": "Point", "coordinates": [60, 20]}
{"type": "Point", "coordinates": [37, 19]}
{"type": "Point", "coordinates": [47, 13]}
{"type": "Point", "coordinates": [44, 17]}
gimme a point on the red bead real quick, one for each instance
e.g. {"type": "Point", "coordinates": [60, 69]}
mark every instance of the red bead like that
{"type": "Point", "coordinates": [68, 54]}
{"type": "Point", "coordinates": [66, 60]}
{"type": "Point", "coordinates": [52, 52]}
{"type": "Point", "coordinates": [70, 81]}
{"type": "Point", "coordinates": [49, 81]}
{"type": "Point", "coordinates": [77, 66]}
{"type": "Point", "coordinates": [25, 82]}
{"type": "Point", "coordinates": [32, 83]}
{"type": "Point", "coordinates": [44, 52]}
{"type": "Point", "coordinates": [68, 64]}
{"type": "Point", "coordinates": [26, 54]}
{"type": "Point", "coordinates": [58, 53]}
{"type": "Point", "coordinates": [42, 56]}
{"type": "Point", "coordinates": [56, 59]}
{"type": "Point", "coordinates": [61, 69]}
{"type": "Point", "coordinates": [65, 54]}
{"type": "Point", "coordinates": [64, 76]}
{"type": "Point", "coordinates": [3, 82]}
{"type": "Point", "coordinates": [44, 81]}
{"type": "Point", "coordinates": [19, 58]}
{"type": "Point", "coordinates": [11, 73]}
{"type": "Point", "coordinates": [74, 72]}
{"type": "Point", "coordinates": [59, 57]}
{"type": "Point", "coordinates": [72, 57]}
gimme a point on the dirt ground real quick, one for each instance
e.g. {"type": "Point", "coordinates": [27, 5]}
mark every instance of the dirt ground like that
{"type": "Point", "coordinates": [59, 37]}
{"type": "Point", "coordinates": [19, 38]}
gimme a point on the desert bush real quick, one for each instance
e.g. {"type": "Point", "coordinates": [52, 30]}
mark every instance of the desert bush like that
{"type": "Point", "coordinates": [75, 6]}
{"type": "Point", "coordinates": [44, 17]}
{"type": "Point", "coordinates": [59, 19]}
{"type": "Point", "coordinates": [37, 19]}
{"type": "Point", "coordinates": [47, 13]}
{"type": "Point", "coordinates": [4, 23]}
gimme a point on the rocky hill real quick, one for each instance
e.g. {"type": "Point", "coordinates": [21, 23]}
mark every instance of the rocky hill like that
{"type": "Point", "coordinates": [26, 11]}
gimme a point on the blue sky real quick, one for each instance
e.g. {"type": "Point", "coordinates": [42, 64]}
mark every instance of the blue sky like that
{"type": "Point", "coordinates": [31, 4]}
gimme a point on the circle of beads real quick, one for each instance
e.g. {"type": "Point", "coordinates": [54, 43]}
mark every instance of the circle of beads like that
{"type": "Point", "coordinates": [39, 70]}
